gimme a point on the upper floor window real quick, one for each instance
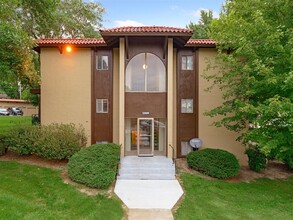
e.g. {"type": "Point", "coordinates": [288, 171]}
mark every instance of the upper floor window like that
{"type": "Point", "coordinates": [101, 105]}
{"type": "Point", "coordinates": [186, 105]}
{"type": "Point", "coordinates": [187, 63]}
{"type": "Point", "coordinates": [145, 73]}
{"type": "Point", "coordinates": [102, 62]}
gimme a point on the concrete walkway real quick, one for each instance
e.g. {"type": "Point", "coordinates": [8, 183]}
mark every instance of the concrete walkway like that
{"type": "Point", "coordinates": [150, 214]}
{"type": "Point", "coordinates": [149, 194]}
{"type": "Point", "coordinates": [148, 187]}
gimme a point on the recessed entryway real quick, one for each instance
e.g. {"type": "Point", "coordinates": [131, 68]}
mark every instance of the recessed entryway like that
{"type": "Point", "coordinates": [145, 137]}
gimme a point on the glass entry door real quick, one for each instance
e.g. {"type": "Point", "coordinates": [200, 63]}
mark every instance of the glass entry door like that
{"type": "Point", "coordinates": [145, 134]}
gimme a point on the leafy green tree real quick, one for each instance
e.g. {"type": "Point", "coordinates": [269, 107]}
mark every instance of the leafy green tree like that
{"type": "Point", "coordinates": [201, 30]}
{"type": "Point", "coordinates": [23, 21]}
{"type": "Point", "coordinates": [255, 64]}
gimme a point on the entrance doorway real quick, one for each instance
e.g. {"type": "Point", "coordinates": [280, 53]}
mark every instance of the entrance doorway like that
{"type": "Point", "coordinates": [145, 136]}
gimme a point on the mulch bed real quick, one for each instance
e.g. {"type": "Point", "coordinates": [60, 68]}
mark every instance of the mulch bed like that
{"type": "Point", "coordinates": [274, 170]}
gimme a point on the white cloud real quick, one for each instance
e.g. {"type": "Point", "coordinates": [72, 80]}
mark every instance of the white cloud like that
{"type": "Point", "coordinates": [120, 23]}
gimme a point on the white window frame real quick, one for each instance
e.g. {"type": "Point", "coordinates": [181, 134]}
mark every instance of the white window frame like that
{"type": "Point", "coordinates": [187, 106]}
{"type": "Point", "coordinates": [100, 106]}
{"type": "Point", "coordinates": [185, 66]}
{"type": "Point", "coordinates": [102, 64]}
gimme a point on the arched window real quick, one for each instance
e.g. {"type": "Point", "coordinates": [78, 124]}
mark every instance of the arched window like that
{"type": "Point", "coordinates": [145, 73]}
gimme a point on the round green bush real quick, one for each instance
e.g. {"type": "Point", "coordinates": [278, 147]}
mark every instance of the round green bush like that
{"type": "Point", "coordinates": [95, 166]}
{"type": "Point", "coordinates": [3, 147]}
{"type": "Point", "coordinates": [256, 159]}
{"type": "Point", "coordinates": [214, 162]}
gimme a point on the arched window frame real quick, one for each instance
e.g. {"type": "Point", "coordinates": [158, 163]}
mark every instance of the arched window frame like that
{"type": "Point", "coordinates": [158, 85]}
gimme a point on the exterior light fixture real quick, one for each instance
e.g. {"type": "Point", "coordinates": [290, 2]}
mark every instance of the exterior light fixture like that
{"type": "Point", "coordinates": [68, 49]}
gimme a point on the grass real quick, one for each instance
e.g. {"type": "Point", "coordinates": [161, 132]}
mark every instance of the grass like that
{"type": "Point", "coordinates": [30, 192]}
{"type": "Point", "coordinates": [216, 199]}
{"type": "Point", "coordinates": [8, 122]}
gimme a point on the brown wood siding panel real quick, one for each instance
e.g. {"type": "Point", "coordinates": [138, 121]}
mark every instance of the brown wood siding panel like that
{"type": "Point", "coordinates": [154, 45]}
{"type": "Point", "coordinates": [138, 102]}
{"type": "Point", "coordinates": [103, 89]}
{"type": "Point", "coordinates": [186, 89]}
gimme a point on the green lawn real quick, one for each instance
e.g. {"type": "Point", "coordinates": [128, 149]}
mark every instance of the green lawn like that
{"type": "Point", "coordinates": [215, 199]}
{"type": "Point", "coordinates": [8, 122]}
{"type": "Point", "coordinates": [30, 192]}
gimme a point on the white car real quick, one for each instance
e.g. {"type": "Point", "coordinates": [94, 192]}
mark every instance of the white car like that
{"type": "Point", "coordinates": [4, 112]}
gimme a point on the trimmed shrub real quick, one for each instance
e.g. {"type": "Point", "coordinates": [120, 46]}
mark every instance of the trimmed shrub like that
{"type": "Point", "coordinates": [3, 145]}
{"type": "Point", "coordinates": [22, 140]}
{"type": "Point", "coordinates": [95, 166]}
{"type": "Point", "coordinates": [214, 162]}
{"type": "Point", "coordinates": [256, 159]}
{"type": "Point", "coordinates": [60, 141]}
{"type": "Point", "coordinates": [288, 160]}
{"type": "Point", "coordinates": [55, 141]}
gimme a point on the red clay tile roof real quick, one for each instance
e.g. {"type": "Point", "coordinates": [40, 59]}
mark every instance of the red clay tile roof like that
{"type": "Point", "coordinates": [145, 29]}
{"type": "Point", "coordinates": [201, 42]}
{"type": "Point", "coordinates": [81, 41]}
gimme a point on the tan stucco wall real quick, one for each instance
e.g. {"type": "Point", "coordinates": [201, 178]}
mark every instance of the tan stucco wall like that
{"type": "Point", "coordinates": [27, 108]}
{"type": "Point", "coordinates": [66, 87]}
{"type": "Point", "coordinates": [212, 136]}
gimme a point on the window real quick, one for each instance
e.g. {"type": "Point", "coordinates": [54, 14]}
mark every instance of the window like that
{"type": "Point", "coordinates": [186, 105]}
{"type": "Point", "coordinates": [145, 73]}
{"type": "Point", "coordinates": [185, 148]}
{"type": "Point", "coordinates": [102, 62]}
{"type": "Point", "coordinates": [102, 106]}
{"type": "Point", "coordinates": [187, 63]}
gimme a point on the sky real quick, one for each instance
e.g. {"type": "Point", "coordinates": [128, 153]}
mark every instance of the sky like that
{"type": "Point", "coordinates": [175, 13]}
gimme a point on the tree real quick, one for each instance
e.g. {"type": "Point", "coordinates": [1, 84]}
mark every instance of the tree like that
{"type": "Point", "coordinates": [255, 64]}
{"type": "Point", "coordinates": [202, 29]}
{"type": "Point", "coordinates": [23, 21]}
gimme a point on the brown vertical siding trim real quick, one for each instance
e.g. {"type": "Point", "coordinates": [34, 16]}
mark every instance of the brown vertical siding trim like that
{"type": "Point", "coordinates": [92, 97]}
{"type": "Point", "coordinates": [187, 124]}
{"type": "Point", "coordinates": [103, 89]}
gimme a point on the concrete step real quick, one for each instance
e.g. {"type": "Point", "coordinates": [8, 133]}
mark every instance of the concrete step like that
{"type": "Point", "coordinates": [146, 177]}
{"type": "Point", "coordinates": [146, 168]}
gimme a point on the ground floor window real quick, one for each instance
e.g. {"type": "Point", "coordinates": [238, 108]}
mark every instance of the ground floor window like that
{"type": "Point", "coordinates": [143, 133]}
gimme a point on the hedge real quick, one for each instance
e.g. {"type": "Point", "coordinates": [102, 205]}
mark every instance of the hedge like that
{"type": "Point", "coordinates": [95, 166]}
{"type": "Point", "coordinates": [55, 141]}
{"type": "Point", "coordinates": [214, 162]}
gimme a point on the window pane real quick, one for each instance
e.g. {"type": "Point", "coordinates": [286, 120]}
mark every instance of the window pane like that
{"type": "Point", "coordinates": [183, 63]}
{"type": "Point", "coordinates": [156, 74]}
{"type": "Point", "coordinates": [189, 63]}
{"type": "Point", "coordinates": [145, 72]}
{"type": "Point", "coordinates": [105, 62]}
{"type": "Point", "coordinates": [102, 62]}
{"type": "Point", "coordinates": [99, 106]}
{"type": "Point", "coordinates": [185, 148]}
{"type": "Point", "coordinates": [99, 62]}
{"type": "Point", "coordinates": [186, 105]}
{"type": "Point", "coordinates": [160, 134]}
{"type": "Point", "coordinates": [135, 74]}
{"type": "Point", "coordinates": [105, 105]}
{"type": "Point", "coordinates": [130, 134]}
